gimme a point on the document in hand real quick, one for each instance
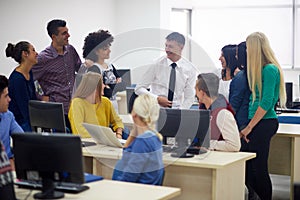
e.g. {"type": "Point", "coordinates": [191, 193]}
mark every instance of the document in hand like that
{"type": "Point", "coordinates": [104, 135]}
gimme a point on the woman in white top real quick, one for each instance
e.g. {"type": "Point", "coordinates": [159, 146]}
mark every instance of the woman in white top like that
{"type": "Point", "coordinates": [97, 49]}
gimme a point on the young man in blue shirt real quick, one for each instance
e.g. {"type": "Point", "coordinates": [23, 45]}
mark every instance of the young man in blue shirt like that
{"type": "Point", "coordinates": [8, 123]}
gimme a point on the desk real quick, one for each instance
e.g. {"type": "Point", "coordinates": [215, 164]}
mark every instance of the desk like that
{"type": "Point", "coordinates": [213, 176]}
{"type": "Point", "coordinates": [122, 102]}
{"type": "Point", "coordinates": [115, 190]}
{"type": "Point", "coordinates": [284, 156]}
{"type": "Point", "coordinates": [127, 120]}
{"type": "Point", "coordinates": [289, 118]}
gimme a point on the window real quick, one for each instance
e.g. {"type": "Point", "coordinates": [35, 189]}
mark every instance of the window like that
{"type": "Point", "coordinates": [218, 23]}
{"type": "Point", "coordinates": [181, 22]}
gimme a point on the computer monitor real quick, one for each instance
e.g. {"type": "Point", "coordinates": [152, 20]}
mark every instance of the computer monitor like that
{"type": "Point", "coordinates": [50, 158]}
{"type": "Point", "coordinates": [47, 116]}
{"type": "Point", "coordinates": [126, 80]}
{"type": "Point", "coordinates": [186, 126]}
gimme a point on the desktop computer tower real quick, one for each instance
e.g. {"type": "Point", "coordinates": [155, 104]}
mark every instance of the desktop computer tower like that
{"type": "Point", "coordinates": [289, 94]}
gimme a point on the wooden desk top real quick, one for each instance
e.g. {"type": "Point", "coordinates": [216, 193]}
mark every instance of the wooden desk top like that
{"type": "Point", "coordinates": [289, 130]}
{"type": "Point", "coordinates": [211, 159]}
{"type": "Point", "coordinates": [115, 190]}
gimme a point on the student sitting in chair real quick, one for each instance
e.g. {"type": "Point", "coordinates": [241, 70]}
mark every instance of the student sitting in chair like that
{"type": "Point", "coordinates": [224, 131]}
{"type": "Point", "coordinates": [88, 105]}
{"type": "Point", "coordinates": [142, 156]}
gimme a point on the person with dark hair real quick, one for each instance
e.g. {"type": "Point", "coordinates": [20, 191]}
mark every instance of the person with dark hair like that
{"type": "Point", "coordinates": [224, 131]}
{"type": "Point", "coordinates": [171, 77]}
{"type": "Point", "coordinates": [97, 49]}
{"type": "Point", "coordinates": [239, 92]}
{"type": "Point", "coordinates": [8, 123]}
{"type": "Point", "coordinates": [57, 64]}
{"type": "Point", "coordinates": [21, 86]}
{"type": "Point", "coordinates": [229, 64]}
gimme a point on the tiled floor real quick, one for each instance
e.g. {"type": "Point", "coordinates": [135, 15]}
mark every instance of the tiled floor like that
{"type": "Point", "coordinates": [281, 187]}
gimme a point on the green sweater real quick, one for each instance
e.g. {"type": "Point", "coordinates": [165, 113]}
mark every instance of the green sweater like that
{"type": "Point", "coordinates": [270, 92]}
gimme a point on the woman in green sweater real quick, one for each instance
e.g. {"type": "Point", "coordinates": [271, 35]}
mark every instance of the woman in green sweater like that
{"type": "Point", "coordinates": [266, 82]}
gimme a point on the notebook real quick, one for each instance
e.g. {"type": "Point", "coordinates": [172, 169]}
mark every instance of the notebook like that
{"type": "Point", "coordinates": [104, 135]}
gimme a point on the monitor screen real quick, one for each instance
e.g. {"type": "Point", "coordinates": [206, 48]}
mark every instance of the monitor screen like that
{"type": "Point", "coordinates": [49, 158]}
{"type": "Point", "coordinates": [187, 126]}
{"type": "Point", "coordinates": [48, 116]}
{"type": "Point", "coordinates": [126, 80]}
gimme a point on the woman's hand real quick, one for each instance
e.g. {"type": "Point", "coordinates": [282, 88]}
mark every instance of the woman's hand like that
{"type": "Point", "coordinates": [245, 132]}
{"type": "Point", "coordinates": [119, 133]}
{"type": "Point", "coordinates": [119, 80]}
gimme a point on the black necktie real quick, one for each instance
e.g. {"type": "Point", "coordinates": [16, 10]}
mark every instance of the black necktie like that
{"type": "Point", "coordinates": [172, 82]}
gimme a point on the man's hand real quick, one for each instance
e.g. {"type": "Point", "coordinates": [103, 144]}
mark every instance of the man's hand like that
{"type": "Point", "coordinates": [45, 98]}
{"type": "Point", "coordinates": [164, 102]}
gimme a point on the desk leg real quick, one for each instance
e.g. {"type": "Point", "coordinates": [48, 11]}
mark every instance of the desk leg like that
{"type": "Point", "coordinates": [229, 182]}
{"type": "Point", "coordinates": [295, 163]}
{"type": "Point", "coordinates": [103, 167]}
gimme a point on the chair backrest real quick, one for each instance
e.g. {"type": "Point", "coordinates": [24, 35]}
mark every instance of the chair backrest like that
{"type": "Point", "coordinates": [48, 116]}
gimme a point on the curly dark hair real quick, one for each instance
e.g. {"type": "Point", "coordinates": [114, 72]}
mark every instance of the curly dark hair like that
{"type": "Point", "coordinates": [94, 41]}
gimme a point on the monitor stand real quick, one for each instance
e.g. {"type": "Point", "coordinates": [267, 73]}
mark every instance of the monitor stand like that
{"type": "Point", "coordinates": [181, 150]}
{"type": "Point", "coordinates": [48, 188]}
{"type": "Point", "coordinates": [182, 155]}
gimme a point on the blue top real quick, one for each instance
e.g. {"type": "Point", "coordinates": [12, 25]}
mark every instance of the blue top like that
{"type": "Point", "coordinates": [21, 91]}
{"type": "Point", "coordinates": [8, 125]}
{"type": "Point", "coordinates": [141, 161]}
{"type": "Point", "coordinates": [239, 97]}
{"type": "Point", "coordinates": [269, 94]}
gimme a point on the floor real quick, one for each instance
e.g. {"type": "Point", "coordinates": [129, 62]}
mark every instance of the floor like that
{"type": "Point", "coordinates": [281, 187]}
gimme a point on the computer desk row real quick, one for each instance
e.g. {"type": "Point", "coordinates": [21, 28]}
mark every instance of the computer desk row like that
{"type": "Point", "coordinates": [114, 190]}
{"type": "Point", "coordinates": [284, 157]}
{"type": "Point", "coordinates": [213, 175]}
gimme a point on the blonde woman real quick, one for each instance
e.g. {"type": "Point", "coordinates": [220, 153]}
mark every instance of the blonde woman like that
{"type": "Point", "coordinates": [142, 156]}
{"type": "Point", "coordinates": [88, 105]}
{"type": "Point", "coordinates": [266, 82]}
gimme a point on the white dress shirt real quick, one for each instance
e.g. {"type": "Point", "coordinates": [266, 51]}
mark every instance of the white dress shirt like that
{"type": "Point", "coordinates": [228, 127]}
{"type": "Point", "coordinates": [157, 79]}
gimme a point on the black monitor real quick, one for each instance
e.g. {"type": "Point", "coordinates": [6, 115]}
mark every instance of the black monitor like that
{"type": "Point", "coordinates": [126, 80]}
{"type": "Point", "coordinates": [49, 158]}
{"type": "Point", "coordinates": [187, 126]}
{"type": "Point", "coordinates": [47, 116]}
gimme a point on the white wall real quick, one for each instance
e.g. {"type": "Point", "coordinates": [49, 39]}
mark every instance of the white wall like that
{"type": "Point", "coordinates": [139, 28]}
{"type": "Point", "coordinates": [27, 20]}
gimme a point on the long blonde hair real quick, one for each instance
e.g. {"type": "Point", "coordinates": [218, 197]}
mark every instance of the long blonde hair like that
{"type": "Point", "coordinates": [147, 108]}
{"type": "Point", "coordinates": [259, 54]}
{"type": "Point", "coordinates": [89, 82]}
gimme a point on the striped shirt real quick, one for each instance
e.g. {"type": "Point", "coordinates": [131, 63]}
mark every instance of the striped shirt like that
{"type": "Point", "coordinates": [56, 73]}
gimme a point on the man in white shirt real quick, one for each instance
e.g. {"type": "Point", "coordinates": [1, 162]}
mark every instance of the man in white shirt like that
{"type": "Point", "coordinates": [224, 131]}
{"type": "Point", "coordinates": [157, 77]}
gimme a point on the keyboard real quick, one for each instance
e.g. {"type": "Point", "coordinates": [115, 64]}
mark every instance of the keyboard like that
{"type": "Point", "coordinates": [168, 148]}
{"type": "Point", "coordinates": [287, 110]}
{"type": "Point", "coordinates": [62, 186]}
